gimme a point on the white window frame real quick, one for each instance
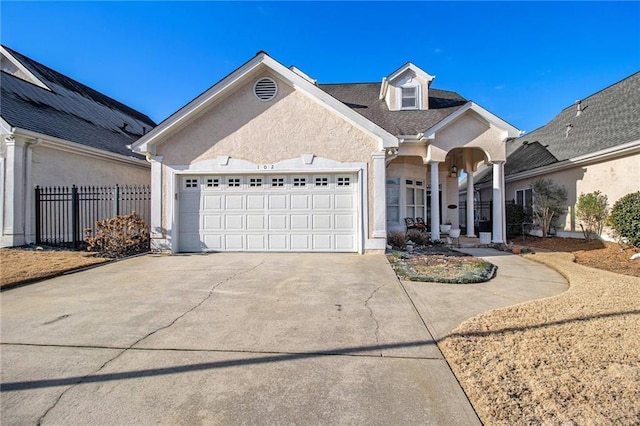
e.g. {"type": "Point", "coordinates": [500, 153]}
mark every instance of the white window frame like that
{"type": "Point", "coordinates": [401, 97]}
{"type": "Point", "coordinates": [393, 183]}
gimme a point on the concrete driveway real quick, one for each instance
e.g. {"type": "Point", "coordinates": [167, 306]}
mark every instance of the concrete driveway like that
{"type": "Point", "coordinates": [224, 339]}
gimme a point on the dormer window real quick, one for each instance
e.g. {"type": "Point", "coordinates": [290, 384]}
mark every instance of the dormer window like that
{"type": "Point", "coordinates": [409, 97]}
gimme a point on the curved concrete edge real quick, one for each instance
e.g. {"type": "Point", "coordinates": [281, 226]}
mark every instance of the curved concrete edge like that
{"type": "Point", "coordinates": [445, 306]}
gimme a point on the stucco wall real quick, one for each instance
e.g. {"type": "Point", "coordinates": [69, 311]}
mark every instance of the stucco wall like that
{"type": "Point", "coordinates": [614, 178]}
{"type": "Point", "coordinates": [469, 131]}
{"type": "Point", "coordinates": [60, 168]}
{"type": "Point", "coordinates": [244, 127]}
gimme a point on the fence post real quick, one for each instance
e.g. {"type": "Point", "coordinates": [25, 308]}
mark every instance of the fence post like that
{"type": "Point", "coordinates": [75, 217]}
{"type": "Point", "coordinates": [116, 200]}
{"type": "Point", "coordinates": [38, 216]}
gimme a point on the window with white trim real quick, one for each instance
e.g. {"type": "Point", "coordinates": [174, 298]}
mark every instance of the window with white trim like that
{"type": "Point", "coordinates": [409, 97]}
{"type": "Point", "coordinates": [524, 198]}
{"type": "Point", "coordinates": [415, 199]}
{"type": "Point", "coordinates": [212, 183]}
{"type": "Point", "coordinates": [277, 182]}
{"type": "Point", "coordinates": [344, 181]}
{"type": "Point", "coordinates": [233, 182]}
{"type": "Point", "coordinates": [321, 181]}
{"type": "Point", "coordinates": [393, 200]}
{"type": "Point", "coordinates": [255, 182]}
{"type": "Point", "coordinates": [190, 183]}
{"type": "Point", "coordinates": [299, 182]}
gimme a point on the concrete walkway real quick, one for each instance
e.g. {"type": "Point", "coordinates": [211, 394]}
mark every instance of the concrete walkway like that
{"type": "Point", "coordinates": [444, 306]}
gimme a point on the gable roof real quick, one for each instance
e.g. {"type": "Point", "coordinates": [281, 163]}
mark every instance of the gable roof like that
{"type": "Point", "coordinates": [364, 99]}
{"type": "Point", "coordinates": [69, 110]}
{"type": "Point", "coordinates": [609, 119]}
{"type": "Point", "coordinates": [259, 63]}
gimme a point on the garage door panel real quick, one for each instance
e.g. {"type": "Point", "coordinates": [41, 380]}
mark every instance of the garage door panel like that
{"type": "Point", "coordinates": [299, 202]}
{"type": "Point", "coordinates": [190, 222]}
{"type": "Point", "coordinates": [322, 201]}
{"type": "Point", "coordinates": [233, 222]}
{"type": "Point", "coordinates": [212, 242]}
{"type": "Point", "coordinates": [278, 222]}
{"type": "Point", "coordinates": [234, 242]}
{"type": "Point", "coordinates": [344, 221]}
{"type": "Point", "coordinates": [322, 242]}
{"type": "Point", "coordinates": [300, 222]}
{"type": "Point", "coordinates": [212, 222]}
{"type": "Point", "coordinates": [345, 242]}
{"type": "Point", "coordinates": [278, 242]}
{"type": "Point", "coordinates": [256, 242]}
{"type": "Point", "coordinates": [344, 201]}
{"type": "Point", "coordinates": [322, 221]}
{"type": "Point", "coordinates": [212, 202]}
{"type": "Point", "coordinates": [287, 213]}
{"type": "Point", "coordinates": [300, 242]}
{"type": "Point", "coordinates": [255, 202]}
{"type": "Point", "coordinates": [278, 202]}
{"type": "Point", "coordinates": [255, 222]}
{"type": "Point", "coordinates": [234, 202]}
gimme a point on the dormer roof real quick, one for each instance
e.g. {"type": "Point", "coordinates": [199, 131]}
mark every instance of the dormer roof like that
{"type": "Point", "coordinates": [391, 78]}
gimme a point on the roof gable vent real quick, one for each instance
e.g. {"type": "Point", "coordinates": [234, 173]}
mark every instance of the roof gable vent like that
{"type": "Point", "coordinates": [265, 89]}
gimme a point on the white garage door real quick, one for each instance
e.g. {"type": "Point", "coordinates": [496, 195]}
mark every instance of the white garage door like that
{"type": "Point", "coordinates": [268, 213]}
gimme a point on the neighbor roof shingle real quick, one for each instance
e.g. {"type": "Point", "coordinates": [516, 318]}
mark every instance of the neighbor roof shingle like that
{"type": "Point", "coordinates": [609, 118]}
{"type": "Point", "coordinates": [70, 111]}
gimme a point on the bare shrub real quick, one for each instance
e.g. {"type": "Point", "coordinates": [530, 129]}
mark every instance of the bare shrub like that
{"type": "Point", "coordinates": [397, 240]}
{"type": "Point", "coordinates": [120, 236]}
{"type": "Point", "coordinates": [418, 237]}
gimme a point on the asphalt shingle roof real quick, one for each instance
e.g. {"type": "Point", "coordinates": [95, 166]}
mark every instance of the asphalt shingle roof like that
{"type": "Point", "coordinates": [364, 99]}
{"type": "Point", "coordinates": [70, 111]}
{"type": "Point", "coordinates": [609, 118]}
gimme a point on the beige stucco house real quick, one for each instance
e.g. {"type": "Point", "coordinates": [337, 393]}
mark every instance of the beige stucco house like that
{"type": "Point", "coordinates": [592, 145]}
{"type": "Point", "coordinates": [55, 131]}
{"type": "Point", "coordinates": [267, 159]}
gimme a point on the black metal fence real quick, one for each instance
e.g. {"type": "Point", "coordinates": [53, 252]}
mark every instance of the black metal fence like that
{"type": "Point", "coordinates": [66, 215]}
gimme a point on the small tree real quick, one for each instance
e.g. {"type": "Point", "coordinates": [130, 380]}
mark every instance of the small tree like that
{"type": "Point", "coordinates": [625, 219]}
{"type": "Point", "coordinates": [549, 202]}
{"type": "Point", "coordinates": [592, 210]}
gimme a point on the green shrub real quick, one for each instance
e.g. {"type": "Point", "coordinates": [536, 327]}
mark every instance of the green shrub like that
{"type": "Point", "coordinates": [625, 219]}
{"type": "Point", "coordinates": [549, 202]}
{"type": "Point", "coordinates": [418, 237]}
{"type": "Point", "coordinates": [592, 211]}
{"type": "Point", "coordinates": [120, 236]}
{"type": "Point", "coordinates": [515, 219]}
{"type": "Point", "coordinates": [397, 240]}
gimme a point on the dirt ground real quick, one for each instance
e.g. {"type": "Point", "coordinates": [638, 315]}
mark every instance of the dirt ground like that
{"type": "Point", "coordinates": [571, 359]}
{"type": "Point", "coordinates": [23, 265]}
{"type": "Point", "coordinates": [596, 254]}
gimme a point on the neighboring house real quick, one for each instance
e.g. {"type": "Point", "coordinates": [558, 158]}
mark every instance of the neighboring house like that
{"type": "Point", "coordinates": [269, 160]}
{"type": "Point", "coordinates": [592, 145]}
{"type": "Point", "coordinates": [56, 131]}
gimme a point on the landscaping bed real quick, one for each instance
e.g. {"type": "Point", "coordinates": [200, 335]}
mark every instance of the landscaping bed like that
{"type": "Point", "coordinates": [440, 264]}
{"type": "Point", "coordinates": [598, 254]}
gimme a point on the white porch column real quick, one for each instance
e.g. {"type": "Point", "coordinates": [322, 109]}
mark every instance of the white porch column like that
{"type": "Point", "coordinates": [470, 205]}
{"type": "Point", "coordinates": [14, 194]}
{"type": "Point", "coordinates": [498, 205]}
{"type": "Point", "coordinates": [435, 201]}
{"type": "Point", "coordinates": [379, 196]}
{"type": "Point", "coordinates": [156, 200]}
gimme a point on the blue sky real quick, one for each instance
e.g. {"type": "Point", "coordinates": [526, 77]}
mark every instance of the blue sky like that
{"type": "Point", "coordinates": [524, 61]}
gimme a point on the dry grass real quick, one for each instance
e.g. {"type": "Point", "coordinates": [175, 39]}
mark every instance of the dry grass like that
{"type": "Point", "coordinates": [571, 359]}
{"type": "Point", "coordinates": [19, 265]}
